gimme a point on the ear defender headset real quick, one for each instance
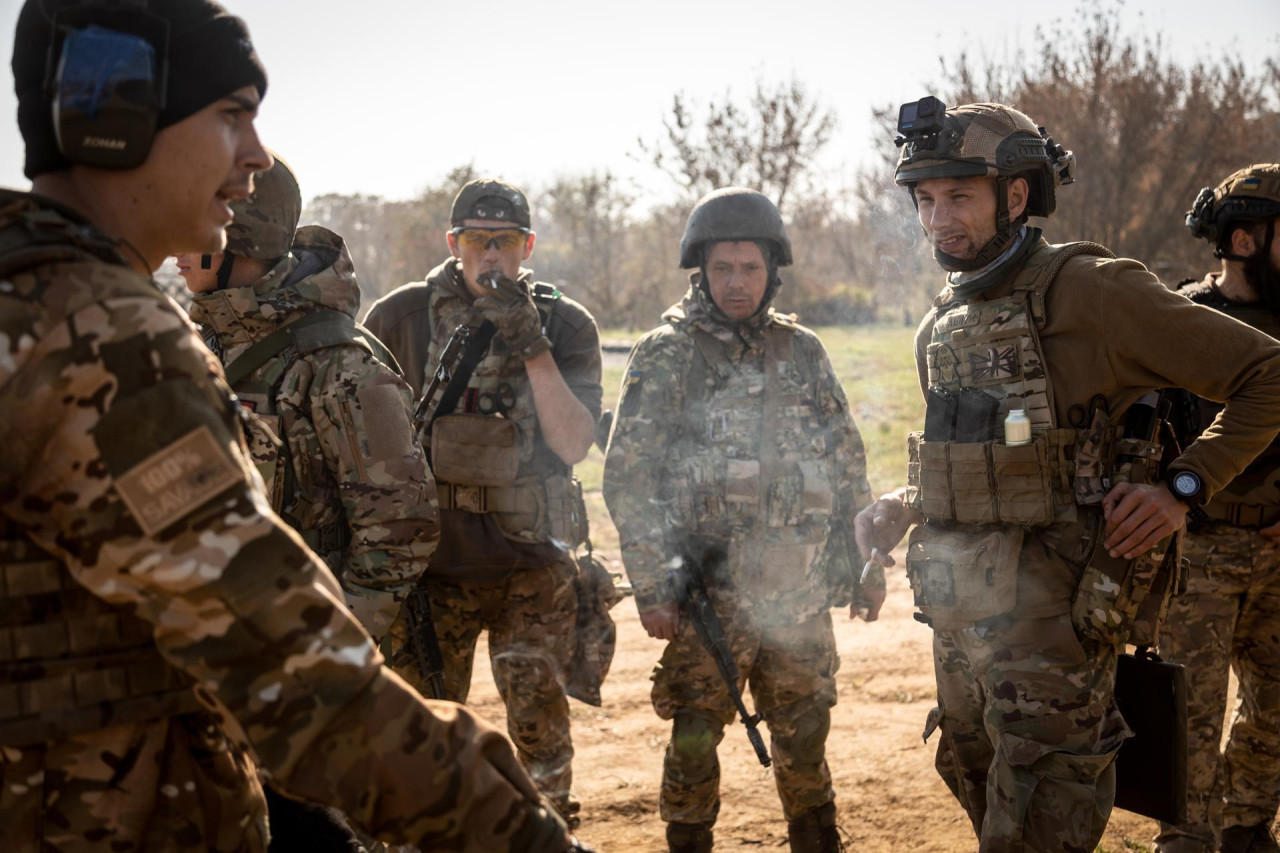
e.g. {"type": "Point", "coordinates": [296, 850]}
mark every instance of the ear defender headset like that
{"type": "Point", "coordinates": [107, 81]}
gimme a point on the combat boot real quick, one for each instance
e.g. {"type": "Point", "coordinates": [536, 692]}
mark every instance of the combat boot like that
{"type": "Point", "coordinates": [689, 837]}
{"type": "Point", "coordinates": [1249, 839]}
{"type": "Point", "coordinates": [815, 831]}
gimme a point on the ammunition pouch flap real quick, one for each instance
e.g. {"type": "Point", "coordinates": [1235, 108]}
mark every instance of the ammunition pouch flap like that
{"type": "Point", "coordinates": [961, 577]}
{"type": "Point", "coordinates": [762, 563]}
{"type": "Point", "coordinates": [477, 450]}
{"type": "Point", "coordinates": [990, 482]}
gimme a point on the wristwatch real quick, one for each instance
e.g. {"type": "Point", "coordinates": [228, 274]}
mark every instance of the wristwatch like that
{"type": "Point", "coordinates": [1185, 486]}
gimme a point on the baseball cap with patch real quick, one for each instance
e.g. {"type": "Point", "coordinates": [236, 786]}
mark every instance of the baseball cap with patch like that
{"type": "Point", "coordinates": [493, 200]}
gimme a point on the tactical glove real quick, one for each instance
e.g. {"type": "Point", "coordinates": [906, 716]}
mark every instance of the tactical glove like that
{"type": "Point", "coordinates": [509, 306]}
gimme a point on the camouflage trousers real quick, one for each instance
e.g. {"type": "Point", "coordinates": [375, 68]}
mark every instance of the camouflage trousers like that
{"type": "Point", "coordinates": [176, 785]}
{"type": "Point", "coordinates": [1228, 617]}
{"type": "Point", "coordinates": [791, 674]}
{"type": "Point", "coordinates": [1029, 732]}
{"type": "Point", "coordinates": [531, 617]}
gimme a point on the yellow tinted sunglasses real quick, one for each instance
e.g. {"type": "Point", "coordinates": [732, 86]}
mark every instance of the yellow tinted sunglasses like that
{"type": "Point", "coordinates": [481, 238]}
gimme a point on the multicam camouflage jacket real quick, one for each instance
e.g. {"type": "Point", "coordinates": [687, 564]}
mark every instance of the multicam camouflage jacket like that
{"type": "Point", "coordinates": [356, 483]}
{"type": "Point", "coordinates": [737, 434]}
{"type": "Point", "coordinates": [134, 522]}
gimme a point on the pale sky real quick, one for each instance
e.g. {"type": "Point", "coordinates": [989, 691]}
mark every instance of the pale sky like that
{"type": "Point", "coordinates": [386, 96]}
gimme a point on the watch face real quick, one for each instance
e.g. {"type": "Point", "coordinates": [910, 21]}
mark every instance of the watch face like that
{"type": "Point", "coordinates": [1186, 484]}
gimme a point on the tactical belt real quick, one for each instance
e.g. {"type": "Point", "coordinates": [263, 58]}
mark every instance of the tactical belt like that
{"type": "Point", "coordinates": [1243, 515]}
{"type": "Point", "coordinates": [521, 499]}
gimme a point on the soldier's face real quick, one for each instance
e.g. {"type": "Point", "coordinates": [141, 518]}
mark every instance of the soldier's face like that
{"type": "Point", "coordinates": [476, 262]}
{"type": "Point", "coordinates": [737, 276]}
{"type": "Point", "coordinates": [959, 214]}
{"type": "Point", "coordinates": [195, 169]}
{"type": "Point", "coordinates": [199, 279]}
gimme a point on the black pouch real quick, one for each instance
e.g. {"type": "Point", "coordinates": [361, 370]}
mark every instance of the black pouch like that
{"type": "Point", "coordinates": [939, 415]}
{"type": "Point", "coordinates": [1151, 767]}
{"type": "Point", "coordinates": [976, 415]}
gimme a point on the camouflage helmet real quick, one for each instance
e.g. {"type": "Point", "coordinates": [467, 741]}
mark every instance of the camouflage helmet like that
{"type": "Point", "coordinates": [980, 139]}
{"type": "Point", "coordinates": [265, 221]}
{"type": "Point", "coordinates": [736, 214]}
{"type": "Point", "coordinates": [1249, 195]}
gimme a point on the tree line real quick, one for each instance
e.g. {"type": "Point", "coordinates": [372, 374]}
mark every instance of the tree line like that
{"type": "Point", "coordinates": [1147, 133]}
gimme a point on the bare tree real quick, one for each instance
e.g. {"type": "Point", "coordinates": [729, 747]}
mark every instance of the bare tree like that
{"type": "Point", "coordinates": [1147, 132]}
{"type": "Point", "coordinates": [582, 238]}
{"type": "Point", "coordinates": [769, 143]}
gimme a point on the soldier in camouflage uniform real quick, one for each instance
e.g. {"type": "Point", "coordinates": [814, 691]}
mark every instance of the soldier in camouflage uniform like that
{"type": "Point", "coordinates": [1041, 554]}
{"type": "Point", "coordinates": [1230, 614]}
{"type": "Point", "coordinates": [332, 436]}
{"type": "Point", "coordinates": [330, 433]}
{"type": "Point", "coordinates": [503, 454]}
{"type": "Point", "coordinates": [734, 448]}
{"type": "Point", "coordinates": [160, 623]}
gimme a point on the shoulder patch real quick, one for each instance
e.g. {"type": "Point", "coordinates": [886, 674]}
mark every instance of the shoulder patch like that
{"type": "Point", "coordinates": [170, 484]}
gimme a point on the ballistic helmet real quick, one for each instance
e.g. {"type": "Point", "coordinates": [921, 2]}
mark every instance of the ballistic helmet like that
{"type": "Point", "coordinates": [265, 221]}
{"type": "Point", "coordinates": [1249, 195]}
{"type": "Point", "coordinates": [735, 214]}
{"type": "Point", "coordinates": [980, 139]}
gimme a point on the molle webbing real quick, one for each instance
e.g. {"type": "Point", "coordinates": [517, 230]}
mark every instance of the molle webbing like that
{"type": "Point", "coordinates": [993, 346]}
{"type": "Point", "coordinates": [778, 350]}
{"type": "Point", "coordinates": [70, 662]}
{"type": "Point", "coordinates": [1243, 515]}
{"type": "Point", "coordinates": [309, 333]}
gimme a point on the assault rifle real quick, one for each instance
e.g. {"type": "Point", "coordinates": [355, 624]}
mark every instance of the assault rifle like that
{"type": "Point", "coordinates": [691, 594]}
{"type": "Point", "coordinates": [423, 642]}
{"type": "Point", "coordinates": [449, 360]}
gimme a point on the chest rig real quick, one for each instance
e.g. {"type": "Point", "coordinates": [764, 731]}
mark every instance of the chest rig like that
{"type": "Point", "coordinates": [752, 465]}
{"type": "Point", "coordinates": [487, 454]}
{"type": "Point", "coordinates": [980, 496]}
{"type": "Point", "coordinates": [1252, 499]}
{"type": "Point", "coordinates": [990, 352]}
{"type": "Point", "coordinates": [300, 493]}
{"type": "Point", "coordinates": [70, 662]}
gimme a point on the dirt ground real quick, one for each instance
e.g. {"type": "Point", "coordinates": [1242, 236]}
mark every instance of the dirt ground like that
{"type": "Point", "coordinates": [888, 795]}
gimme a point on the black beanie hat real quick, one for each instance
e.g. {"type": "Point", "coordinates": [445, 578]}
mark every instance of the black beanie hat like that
{"type": "Point", "coordinates": [210, 56]}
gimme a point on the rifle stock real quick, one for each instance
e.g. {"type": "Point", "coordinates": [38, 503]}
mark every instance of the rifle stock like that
{"type": "Point", "coordinates": [691, 593]}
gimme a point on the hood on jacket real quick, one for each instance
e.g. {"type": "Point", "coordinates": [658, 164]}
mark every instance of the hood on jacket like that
{"type": "Point", "coordinates": [697, 310]}
{"type": "Point", "coordinates": [317, 274]}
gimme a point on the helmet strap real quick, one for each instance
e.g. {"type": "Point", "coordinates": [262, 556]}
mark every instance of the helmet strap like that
{"type": "Point", "coordinates": [999, 268]}
{"type": "Point", "coordinates": [224, 270]}
{"type": "Point", "coordinates": [1006, 233]}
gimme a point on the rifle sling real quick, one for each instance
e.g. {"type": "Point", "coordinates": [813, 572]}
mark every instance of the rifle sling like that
{"type": "Point", "coordinates": [278, 341]}
{"type": "Point", "coordinates": [477, 346]}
